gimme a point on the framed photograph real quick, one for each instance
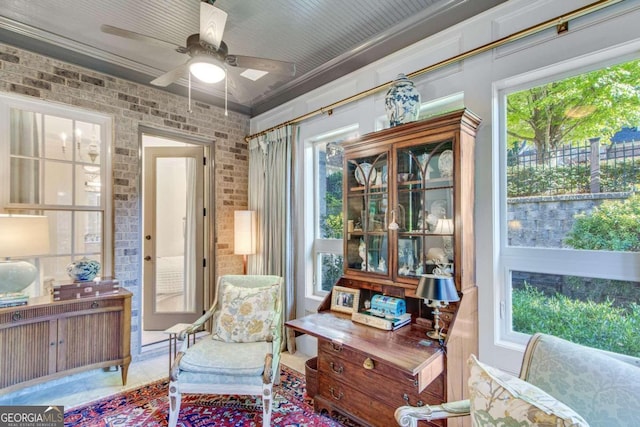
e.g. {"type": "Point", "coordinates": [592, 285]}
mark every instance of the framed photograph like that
{"type": "Point", "coordinates": [345, 300]}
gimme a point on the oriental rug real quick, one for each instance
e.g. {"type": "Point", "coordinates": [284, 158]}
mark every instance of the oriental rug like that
{"type": "Point", "coordinates": [148, 406]}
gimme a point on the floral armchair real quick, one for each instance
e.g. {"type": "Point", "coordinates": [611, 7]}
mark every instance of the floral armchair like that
{"type": "Point", "coordinates": [242, 355]}
{"type": "Point", "coordinates": [560, 384]}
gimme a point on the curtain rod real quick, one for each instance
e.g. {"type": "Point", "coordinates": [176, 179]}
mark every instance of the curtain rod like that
{"type": "Point", "coordinates": [560, 22]}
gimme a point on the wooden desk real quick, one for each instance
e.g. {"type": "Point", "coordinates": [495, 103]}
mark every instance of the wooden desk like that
{"type": "Point", "coordinates": [366, 373]}
{"type": "Point", "coordinates": [44, 340]}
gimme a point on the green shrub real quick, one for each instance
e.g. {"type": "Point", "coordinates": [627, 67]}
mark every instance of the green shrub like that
{"type": "Point", "coordinates": [613, 226]}
{"type": "Point", "coordinates": [598, 325]}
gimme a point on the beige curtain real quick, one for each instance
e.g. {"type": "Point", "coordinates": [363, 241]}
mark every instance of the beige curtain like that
{"type": "Point", "coordinates": [271, 186]}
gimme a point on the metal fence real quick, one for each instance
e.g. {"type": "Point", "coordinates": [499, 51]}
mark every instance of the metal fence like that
{"type": "Point", "coordinates": [571, 169]}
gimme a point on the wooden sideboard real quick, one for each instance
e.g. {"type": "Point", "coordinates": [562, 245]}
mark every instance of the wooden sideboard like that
{"type": "Point", "coordinates": [44, 340]}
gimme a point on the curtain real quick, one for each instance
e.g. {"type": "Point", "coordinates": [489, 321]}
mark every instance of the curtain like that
{"type": "Point", "coordinates": [271, 186]}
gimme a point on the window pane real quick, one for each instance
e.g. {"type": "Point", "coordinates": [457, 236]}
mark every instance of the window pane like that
{"type": "Point", "coordinates": [573, 162]}
{"type": "Point", "coordinates": [58, 134]}
{"type": "Point", "coordinates": [599, 313]}
{"type": "Point", "coordinates": [329, 199]}
{"type": "Point", "coordinates": [25, 133]}
{"type": "Point", "coordinates": [58, 183]}
{"type": "Point", "coordinates": [25, 181]}
{"type": "Point", "coordinates": [60, 231]}
{"type": "Point", "coordinates": [88, 232]}
{"type": "Point", "coordinates": [329, 270]}
{"type": "Point", "coordinates": [88, 185]}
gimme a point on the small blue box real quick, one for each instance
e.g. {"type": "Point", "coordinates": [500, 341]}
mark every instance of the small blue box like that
{"type": "Point", "coordinates": [388, 306]}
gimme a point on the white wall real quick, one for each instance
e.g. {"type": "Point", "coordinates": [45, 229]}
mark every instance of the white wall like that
{"type": "Point", "coordinates": [610, 32]}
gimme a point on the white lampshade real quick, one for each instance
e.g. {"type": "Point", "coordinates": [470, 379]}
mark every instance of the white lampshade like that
{"type": "Point", "coordinates": [444, 226]}
{"type": "Point", "coordinates": [206, 69]}
{"type": "Point", "coordinates": [244, 242]}
{"type": "Point", "coordinates": [21, 236]}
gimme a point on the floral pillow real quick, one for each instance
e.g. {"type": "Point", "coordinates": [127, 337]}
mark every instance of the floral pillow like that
{"type": "Point", "coordinates": [498, 398]}
{"type": "Point", "coordinates": [246, 314]}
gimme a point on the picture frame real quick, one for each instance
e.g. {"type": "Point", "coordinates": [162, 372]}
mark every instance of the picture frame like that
{"type": "Point", "coordinates": [345, 300]}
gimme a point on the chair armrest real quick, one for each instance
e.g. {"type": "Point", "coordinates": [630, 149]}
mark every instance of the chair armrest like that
{"type": "Point", "coordinates": [195, 326]}
{"type": "Point", "coordinates": [408, 416]}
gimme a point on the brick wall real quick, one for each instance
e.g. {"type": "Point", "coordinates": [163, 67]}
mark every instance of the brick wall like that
{"type": "Point", "coordinates": [131, 104]}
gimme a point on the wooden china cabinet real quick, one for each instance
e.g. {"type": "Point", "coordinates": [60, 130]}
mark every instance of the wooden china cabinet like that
{"type": "Point", "coordinates": [408, 209]}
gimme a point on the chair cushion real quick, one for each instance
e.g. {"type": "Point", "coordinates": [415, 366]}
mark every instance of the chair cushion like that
{"type": "Point", "coordinates": [601, 388]}
{"type": "Point", "coordinates": [210, 356]}
{"type": "Point", "coordinates": [245, 314]}
{"type": "Point", "coordinates": [498, 398]}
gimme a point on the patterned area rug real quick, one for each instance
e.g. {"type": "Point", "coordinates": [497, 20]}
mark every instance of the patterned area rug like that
{"type": "Point", "coordinates": [148, 406]}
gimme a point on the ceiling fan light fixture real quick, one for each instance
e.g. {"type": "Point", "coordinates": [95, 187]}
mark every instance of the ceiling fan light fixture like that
{"type": "Point", "coordinates": [206, 69]}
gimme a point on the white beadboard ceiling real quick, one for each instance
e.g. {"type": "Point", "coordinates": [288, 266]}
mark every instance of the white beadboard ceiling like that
{"type": "Point", "coordinates": [326, 39]}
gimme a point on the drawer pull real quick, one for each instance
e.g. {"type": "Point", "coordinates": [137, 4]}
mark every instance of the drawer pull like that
{"type": "Point", "coordinates": [337, 370]}
{"type": "Point", "coordinates": [332, 391]}
{"type": "Point", "coordinates": [16, 316]}
{"type": "Point", "coordinates": [368, 363]}
{"type": "Point", "coordinates": [336, 347]}
{"type": "Point", "coordinates": [405, 397]}
{"type": "Point", "coordinates": [94, 304]}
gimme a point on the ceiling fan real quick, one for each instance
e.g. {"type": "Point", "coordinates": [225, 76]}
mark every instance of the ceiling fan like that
{"type": "Point", "coordinates": [208, 53]}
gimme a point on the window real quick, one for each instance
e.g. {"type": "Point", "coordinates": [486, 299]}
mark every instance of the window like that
{"type": "Point", "coordinates": [570, 161]}
{"type": "Point", "coordinates": [56, 163]}
{"type": "Point", "coordinates": [326, 156]}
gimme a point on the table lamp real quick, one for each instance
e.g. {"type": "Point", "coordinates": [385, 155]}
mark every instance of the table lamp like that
{"type": "Point", "coordinates": [437, 292]}
{"type": "Point", "coordinates": [21, 236]}
{"type": "Point", "coordinates": [444, 226]}
{"type": "Point", "coordinates": [244, 235]}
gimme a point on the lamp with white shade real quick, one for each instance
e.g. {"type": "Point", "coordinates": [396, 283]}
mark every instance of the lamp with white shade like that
{"type": "Point", "coordinates": [437, 292]}
{"type": "Point", "coordinates": [21, 236]}
{"type": "Point", "coordinates": [244, 238]}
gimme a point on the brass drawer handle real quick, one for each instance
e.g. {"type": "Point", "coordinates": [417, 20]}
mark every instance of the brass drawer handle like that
{"type": "Point", "coordinates": [368, 363]}
{"type": "Point", "coordinates": [16, 316]}
{"type": "Point", "coordinates": [336, 347]}
{"type": "Point", "coordinates": [405, 397]}
{"type": "Point", "coordinates": [338, 397]}
{"type": "Point", "coordinates": [337, 370]}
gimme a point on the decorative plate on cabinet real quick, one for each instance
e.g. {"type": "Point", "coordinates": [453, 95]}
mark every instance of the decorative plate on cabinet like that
{"type": "Point", "coordinates": [362, 171]}
{"type": "Point", "coordinates": [445, 163]}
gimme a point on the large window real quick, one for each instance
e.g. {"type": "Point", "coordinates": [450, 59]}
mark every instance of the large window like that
{"type": "Point", "coordinates": [326, 156]}
{"type": "Point", "coordinates": [56, 163]}
{"type": "Point", "coordinates": [570, 212]}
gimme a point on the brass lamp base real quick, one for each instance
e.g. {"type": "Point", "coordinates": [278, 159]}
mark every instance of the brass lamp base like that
{"type": "Point", "coordinates": [434, 335]}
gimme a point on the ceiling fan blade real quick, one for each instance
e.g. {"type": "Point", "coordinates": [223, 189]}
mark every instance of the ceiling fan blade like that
{"type": "Point", "coordinates": [235, 88]}
{"type": "Point", "coordinates": [171, 76]}
{"type": "Point", "coordinates": [137, 36]}
{"type": "Point", "coordinates": [212, 21]}
{"type": "Point", "coordinates": [270, 65]}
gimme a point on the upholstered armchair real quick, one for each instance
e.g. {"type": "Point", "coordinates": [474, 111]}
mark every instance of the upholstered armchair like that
{"type": "Point", "coordinates": [560, 384]}
{"type": "Point", "coordinates": [242, 355]}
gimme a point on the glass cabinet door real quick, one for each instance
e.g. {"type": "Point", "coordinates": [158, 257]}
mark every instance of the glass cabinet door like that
{"type": "Point", "coordinates": [424, 212]}
{"type": "Point", "coordinates": [367, 200]}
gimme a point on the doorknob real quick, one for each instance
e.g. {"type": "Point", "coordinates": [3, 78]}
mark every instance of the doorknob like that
{"type": "Point", "coordinates": [147, 258]}
{"type": "Point", "coordinates": [148, 237]}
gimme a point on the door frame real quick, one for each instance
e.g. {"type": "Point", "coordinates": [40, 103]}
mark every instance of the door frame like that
{"type": "Point", "coordinates": [210, 232]}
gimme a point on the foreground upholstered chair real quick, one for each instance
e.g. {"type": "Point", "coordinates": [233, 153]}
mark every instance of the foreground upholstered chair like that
{"type": "Point", "coordinates": [242, 355]}
{"type": "Point", "coordinates": [560, 384]}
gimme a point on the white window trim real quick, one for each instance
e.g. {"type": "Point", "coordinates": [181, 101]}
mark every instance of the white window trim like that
{"type": "Point", "coordinates": [8, 101]}
{"type": "Point", "coordinates": [598, 264]}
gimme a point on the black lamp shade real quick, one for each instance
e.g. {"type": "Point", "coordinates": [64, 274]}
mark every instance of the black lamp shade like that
{"type": "Point", "coordinates": [437, 288]}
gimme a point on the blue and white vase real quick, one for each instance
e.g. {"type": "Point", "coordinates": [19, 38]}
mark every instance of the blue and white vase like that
{"type": "Point", "coordinates": [83, 270]}
{"type": "Point", "coordinates": [402, 101]}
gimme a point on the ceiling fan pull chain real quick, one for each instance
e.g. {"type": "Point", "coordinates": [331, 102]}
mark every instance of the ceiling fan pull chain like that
{"type": "Point", "coordinates": [189, 108]}
{"type": "Point", "coordinates": [226, 113]}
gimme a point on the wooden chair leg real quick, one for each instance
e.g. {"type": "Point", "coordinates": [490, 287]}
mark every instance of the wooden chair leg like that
{"type": "Point", "coordinates": [175, 398]}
